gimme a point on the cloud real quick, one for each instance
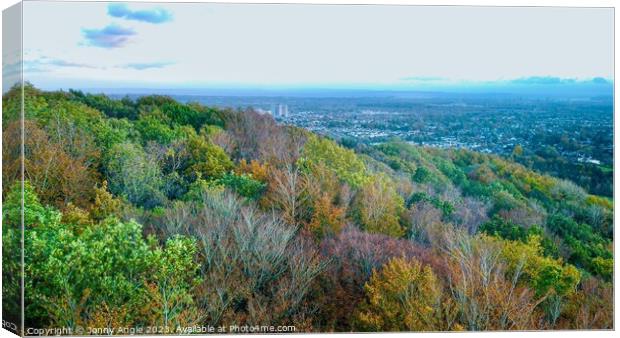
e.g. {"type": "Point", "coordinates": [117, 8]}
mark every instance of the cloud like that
{"type": "Point", "coordinates": [45, 64]}
{"type": "Point", "coordinates": [35, 66]}
{"type": "Point", "coordinates": [111, 36]}
{"type": "Point", "coordinates": [155, 15]}
{"type": "Point", "coordinates": [146, 65]}
{"type": "Point", "coordinates": [63, 63]}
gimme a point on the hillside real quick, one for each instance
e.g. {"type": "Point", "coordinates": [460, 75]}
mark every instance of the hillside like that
{"type": "Point", "coordinates": [177, 215]}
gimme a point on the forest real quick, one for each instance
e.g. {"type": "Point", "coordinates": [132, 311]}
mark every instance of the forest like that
{"type": "Point", "coordinates": [151, 212]}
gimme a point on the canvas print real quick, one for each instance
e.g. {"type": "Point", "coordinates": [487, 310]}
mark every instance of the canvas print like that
{"type": "Point", "coordinates": [197, 168]}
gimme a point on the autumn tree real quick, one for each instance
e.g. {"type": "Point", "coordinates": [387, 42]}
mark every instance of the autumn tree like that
{"type": "Point", "coordinates": [284, 145]}
{"type": "Point", "coordinates": [355, 254]}
{"type": "Point", "coordinates": [58, 177]}
{"type": "Point", "coordinates": [327, 219]}
{"type": "Point", "coordinates": [378, 208]}
{"type": "Point", "coordinates": [287, 191]}
{"type": "Point", "coordinates": [470, 212]}
{"type": "Point", "coordinates": [328, 199]}
{"type": "Point", "coordinates": [105, 204]}
{"type": "Point", "coordinates": [250, 131]}
{"type": "Point", "coordinates": [590, 307]}
{"type": "Point", "coordinates": [489, 298]}
{"type": "Point", "coordinates": [402, 296]}
{"type": "Point", "coordinates": [256, 169]}
{"type": "Point", "coordinates": [255, 267]}
{"type": "Point", "coordinates": [423, 217]}
{"type": "Point", "coordinates": [175, 214]}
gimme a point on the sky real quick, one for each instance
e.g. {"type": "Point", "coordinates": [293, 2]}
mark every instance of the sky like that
{"type": "Point", "coordinates": [185, 45]}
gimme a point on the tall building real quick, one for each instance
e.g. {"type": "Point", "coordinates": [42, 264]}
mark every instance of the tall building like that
{"type": "Point", "coordinates": [282, 110]}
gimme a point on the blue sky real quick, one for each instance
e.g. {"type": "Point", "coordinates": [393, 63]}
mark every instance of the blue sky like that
{"type": "Point", "coordinates": [184, 45]}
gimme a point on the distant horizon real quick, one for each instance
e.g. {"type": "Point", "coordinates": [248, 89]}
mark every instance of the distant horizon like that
{"type": "Point", "coordinates": [535, 86]}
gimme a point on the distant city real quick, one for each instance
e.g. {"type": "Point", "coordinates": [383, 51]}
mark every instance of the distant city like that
{"type": "Point", "coordinates": [581, 130]}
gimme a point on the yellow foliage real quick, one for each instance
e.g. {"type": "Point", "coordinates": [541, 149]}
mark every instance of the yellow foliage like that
{"type": "Point", "coordinates": [600, 201]}
{"type": "Point", "coordinates": [105, 204]}
{"type": "Point", "coordinates": [76, 216]}
{"type": "Point", "coordinates": [403, 296]}
{"type": "Point", "coordinates": [543, 273]}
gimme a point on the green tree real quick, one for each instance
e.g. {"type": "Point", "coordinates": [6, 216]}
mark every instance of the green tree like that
{"type": "Point", "coordinates": [501, 228]}
{"type": "Point", "coordinates": [134, 175]}
{"type": "Point", "coordinates": [422, 175]}
{"type": "Point", "coordinates": [75, 275]}
{"type": "Point", "coordinates": [155, 127]}
{"type": "Point", "coordinates": [206, 159]}
{"type": "Point", "coordinates": [586, 245]}
{"type": "Point", "coordinates": [344, 162]}
{"type": "Point", "coordinates": [173, 278]}
{"type": "Point", "coordinates": [242, 184]}
{"type": "Point", "coordinates": [544, 274]}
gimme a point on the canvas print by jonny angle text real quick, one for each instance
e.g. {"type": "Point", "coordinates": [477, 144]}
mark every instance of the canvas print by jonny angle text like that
{"type": "Point", "coordinates": [176, 168]}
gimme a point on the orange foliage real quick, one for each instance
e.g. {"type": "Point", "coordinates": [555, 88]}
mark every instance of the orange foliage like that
{"type": "Point", "coordinates": [258, 171]}
{"type": "Point", "coordinates": [327, 219]}
{"type": "Point", "coordinates": [57, 176]}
